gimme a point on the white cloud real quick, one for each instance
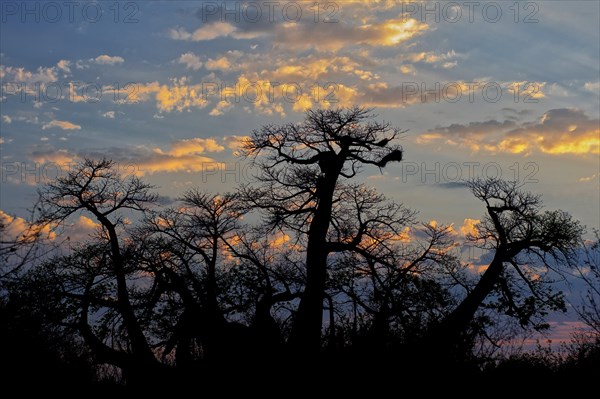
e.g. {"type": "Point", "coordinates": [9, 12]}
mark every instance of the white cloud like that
{"type": "Point", "coordinates": [64, 65]}
{"type": "Point", "coordinates": [6, 119]}
{"type": "Point", "coordinates": [206, 32]}
{"type": "Point", "coordinates": [450, 64]}
{"type": "Point", "coordinates": [594, 87]}
{"type": "Point", "coordinates": [191, 61]}
{"type": "Point", "coordinates": [105, 59]}
{"type": "Point", "coordinates": [588, 178]}
{"type": "Point", "coordinates": [109, 114]}
{"type": "Point", "coordinates": [41, 75]}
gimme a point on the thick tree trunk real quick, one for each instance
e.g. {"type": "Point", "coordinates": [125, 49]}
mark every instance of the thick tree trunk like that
{"type": "Point", "coordinates": [448, 333]}
{"type": "Point", "coordinates": [306, 331]}
{"type": "Point", "coordinates": [139, 345]}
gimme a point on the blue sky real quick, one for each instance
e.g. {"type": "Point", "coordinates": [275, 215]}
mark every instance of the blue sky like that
{"type": "Point", "coordinates": [168, 58]}
{"type": "Point", "coordinates": [161, 79]}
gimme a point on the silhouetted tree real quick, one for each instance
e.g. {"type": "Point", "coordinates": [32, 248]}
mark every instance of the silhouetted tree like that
{"type": "Point", "coordinates": [267, 277]}
{"type": "Point", "coordinates": [97, 189]}
{"type": "Point", "coordinates": [190, 239]}
{"type": "Point", "coordinates": [23, 242]}
{"type": "Point", "coordinates": [588, 269]}
{"type": "Point", "coordinates": [528, 245]}
{"type": "Point", "coordinates": [301, 167]}
{"type": "Point", "coordinates": [401, 293]}
{"type": "Point", "coordinates": [36, 347]}
{"type": "Point", "coordinates": [175, 291]}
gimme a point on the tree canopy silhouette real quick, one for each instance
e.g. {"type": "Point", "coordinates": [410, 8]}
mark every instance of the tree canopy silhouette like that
{"type": "Point", "coordinates": [301, 167]}
{"type": "Point", "coordinates": [330, 267]}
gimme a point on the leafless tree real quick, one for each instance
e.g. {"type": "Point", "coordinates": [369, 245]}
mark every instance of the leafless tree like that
{"type": "Point", "coordinates": [97, 189]}
{"type": "Point", "coordinates": [588, 269]}
{"type": "Point", "coordinates": [301, 168]}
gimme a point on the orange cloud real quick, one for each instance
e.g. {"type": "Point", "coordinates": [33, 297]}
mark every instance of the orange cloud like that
{"type": "Point", "coordinates": [180, 96]}
{"type": "Point", "coordinates": [218, 64]}
{"type": "Point", "coordinates": [469, 227]}
{"type": "Point", "coordinates": [64, 125]}
{"type": "Point", "coordinates": [41, 75]}
{"type": "Point", "coordinates": [300, 35]}
{"type": "Point", "coordinates": [558, 131]}
{"type": "Point", "coordinates": [195, 146]}
{"type": "Point", "coordinates": [87, 223]}
{"type": "Point", "coordinates": [479, 269]}
{"type": "Point", "coordinates": [331, 37]}
{"type": "Point", "coordinates": [186, 155]}
{"type": "Point", "coordinates": [60, 157]}
{"type": "Point", "coordinates": [235, 143]}
{"type": "Point", "coordinates": [183, 156]}
{"type": "Point", "coordinates": [20, 230]}
{"type": "Point", "coordinates": [279, 240]}
{"type": "Point", "coordinates": [404, 236]}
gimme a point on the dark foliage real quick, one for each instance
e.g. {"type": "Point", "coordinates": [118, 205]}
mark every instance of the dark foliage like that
{"type": "Point", "coordinates": [337, 281]}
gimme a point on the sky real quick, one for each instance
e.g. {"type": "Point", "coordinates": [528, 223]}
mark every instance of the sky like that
{"type": "Point", "coordinates": [169, 89]}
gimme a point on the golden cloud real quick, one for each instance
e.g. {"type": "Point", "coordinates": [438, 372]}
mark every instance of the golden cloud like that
{"type": "Point", "coordinates": [279, 240]}
{"type": "Point", "coordinates": [218, 64]}
{"type": "Point", "coordinates": [235, 143]}
{"type": "Point", "coordinates": [186, 155]}
{"type": "Point", "coordinates": [558, 131]}
{"type": "Point", "coordinates": [183, 156]}
{"type": "Point", "coordinates": [179, 97]}
{"type": "Point", "coordinates": [60, 157]}
{"type": "Point", "coordinates": [469, 227]}
{"type": "Point", "coordinates": [87, 223]}
{"type": "Point", "coordinates": [194, 146]}
{"type": "Point", "coordinates": [64, 125]}
{"type": "Point", "coordinates": [332, 37]}
{"type": "Point", "coordinates": [20, 230]}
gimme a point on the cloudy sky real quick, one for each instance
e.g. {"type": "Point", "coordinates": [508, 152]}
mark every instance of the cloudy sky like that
{"type": "Point", "coordinates": [168, 89]}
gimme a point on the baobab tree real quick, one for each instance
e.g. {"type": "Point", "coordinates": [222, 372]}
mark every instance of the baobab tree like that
{"type": "Point", "coordinates": [193, 235]}
{"type": "Point", "coordinates": [301, 168]}
{"type": "Point", "coordinates": [530, 247]}
{"type": "Point", "coordinates": [97, 189]}
{"type": "Point", "coordinates": [588, 269]}
{"type": "Point", "coordinates": [397, 297]}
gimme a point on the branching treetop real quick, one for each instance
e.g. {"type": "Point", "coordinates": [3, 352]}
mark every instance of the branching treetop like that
{"type": "Point", "coordinates": [346, 135]}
